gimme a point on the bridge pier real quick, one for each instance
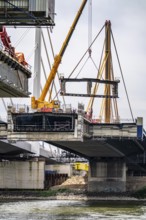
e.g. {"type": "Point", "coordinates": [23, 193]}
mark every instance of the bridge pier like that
{"type": "Point", "coordinates": [107, 176]}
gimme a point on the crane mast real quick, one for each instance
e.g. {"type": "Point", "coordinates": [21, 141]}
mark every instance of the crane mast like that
{"type": "Point", "coordinates": [40, 102]}
{"type": "Point", "coordinates": [107, 110]}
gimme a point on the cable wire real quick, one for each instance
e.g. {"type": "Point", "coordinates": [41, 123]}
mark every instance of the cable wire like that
{"type": "Point", "coordinates": [82, 67]}
{"type": "Point", "coordinates": [90, 27]}
{"type": "Point", "coordinates": [21, 38]}
{"type": "Point", "coordinates": [86, 51]}
{"type": "Point", "coordinates": [122, 76]}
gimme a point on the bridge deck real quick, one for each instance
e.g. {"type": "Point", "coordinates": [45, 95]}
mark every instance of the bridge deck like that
{"type": "Point", "coordinates": [74, 133]}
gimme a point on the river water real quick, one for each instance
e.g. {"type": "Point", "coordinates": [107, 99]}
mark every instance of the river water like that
{"type": "Point", "coordinates": [70, 210]}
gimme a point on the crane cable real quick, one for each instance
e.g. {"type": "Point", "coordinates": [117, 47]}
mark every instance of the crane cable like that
{"type": "Point", "coordinates": [89, 38]}
{"type": "Point", "coordinates": [85, 64]}
{"type": "Point", "coordinates": [86, 51]}
{"type": "Point", "coordinates": [122, 76]}
{"type": "Point", "coordinates": [82, 67]}
{"type": "Point", "coordinates": [22, 37]}
{"type": "Point", "coordinates": [91, 101]}
{"type": "Point", "coordinates": [94, 64]}
{"type": "Point", "coordinates": [48, 59]}
{"type": "Point", "coordinates": [84, 54]}
{"type": "Point", "coordinates": [31, 53]}
{"type": "Point", "coordinates": [115, 104]}
{"type": "Point", "coordinates": [90, 27]}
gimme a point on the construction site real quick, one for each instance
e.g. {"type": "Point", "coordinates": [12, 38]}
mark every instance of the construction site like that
{"type": "Point", "coordinates": [45, 141]}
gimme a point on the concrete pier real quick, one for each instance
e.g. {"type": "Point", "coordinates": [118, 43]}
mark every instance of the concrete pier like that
{"type": "Point", "coordinates": [107, 176]}
{"type": "Point", "coordinates": [22, 174]}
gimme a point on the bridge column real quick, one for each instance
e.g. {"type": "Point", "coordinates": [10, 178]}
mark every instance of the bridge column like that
{"type": "Point", "coordinates": [109, 176]}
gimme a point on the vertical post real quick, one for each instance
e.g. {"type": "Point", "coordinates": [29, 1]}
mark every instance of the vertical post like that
{"type": "Point", "coordinates": [107, 117]}
{"type": "Point", "coordinates": [37, 63]}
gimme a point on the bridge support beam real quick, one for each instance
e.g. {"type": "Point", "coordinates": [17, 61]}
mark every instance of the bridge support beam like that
{"type": "Point", "coordinates": [109, 176]}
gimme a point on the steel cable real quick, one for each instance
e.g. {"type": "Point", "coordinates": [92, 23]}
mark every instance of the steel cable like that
{"type": "Point", "coordinates": [122, 76]}
{"type": "Point", "coordinates": [86, 52]}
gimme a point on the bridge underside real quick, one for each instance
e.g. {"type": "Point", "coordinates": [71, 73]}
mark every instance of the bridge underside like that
{"type": "Point", "coordinates": [107, 148]}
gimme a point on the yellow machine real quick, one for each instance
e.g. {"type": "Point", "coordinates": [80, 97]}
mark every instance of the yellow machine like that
{"type": "Point", "coordinates": [40, 102]}
{"type": "Point", "coordinates": [78, 166]}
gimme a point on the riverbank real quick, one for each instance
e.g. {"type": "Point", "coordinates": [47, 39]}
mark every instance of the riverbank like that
{"type": "Point", "coordinates": [13, 195]}
{"type": "Point", "coordinates": [74, 188]}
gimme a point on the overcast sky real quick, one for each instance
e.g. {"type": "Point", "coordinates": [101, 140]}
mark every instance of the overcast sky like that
{"type": "Point", "coordinates": [128, 18]}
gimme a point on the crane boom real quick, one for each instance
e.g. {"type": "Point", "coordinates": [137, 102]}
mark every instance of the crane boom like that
{"type": "Point", "coordinates": [40, 103]}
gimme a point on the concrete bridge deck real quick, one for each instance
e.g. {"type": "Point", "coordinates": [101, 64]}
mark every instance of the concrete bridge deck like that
{"type": "Point", "coordinates": [73, 132]}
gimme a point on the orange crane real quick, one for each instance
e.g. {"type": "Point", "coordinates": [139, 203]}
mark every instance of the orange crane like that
{"type": "Point", "coordinates": [40, 103]}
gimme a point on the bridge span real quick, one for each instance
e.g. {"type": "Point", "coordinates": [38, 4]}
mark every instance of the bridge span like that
{"type": "Point", "coordinates": [108, 147]}
{"type": "Point", "coordinates": [75, 133]}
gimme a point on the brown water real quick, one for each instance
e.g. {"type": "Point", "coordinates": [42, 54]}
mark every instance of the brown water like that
{"type": "Point", "coordinates": [70, 210]}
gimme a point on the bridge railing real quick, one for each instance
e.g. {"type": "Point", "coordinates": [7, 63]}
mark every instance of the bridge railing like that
{"type": "Point", "coordinates": [23, 108]}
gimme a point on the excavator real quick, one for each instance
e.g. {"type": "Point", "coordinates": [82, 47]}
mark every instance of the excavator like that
{"type": "Point", "coordinates": [40, 103]}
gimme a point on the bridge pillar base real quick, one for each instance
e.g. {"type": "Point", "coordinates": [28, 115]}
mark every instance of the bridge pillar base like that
{"type": "Point", "coordinates": [107, 176]}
